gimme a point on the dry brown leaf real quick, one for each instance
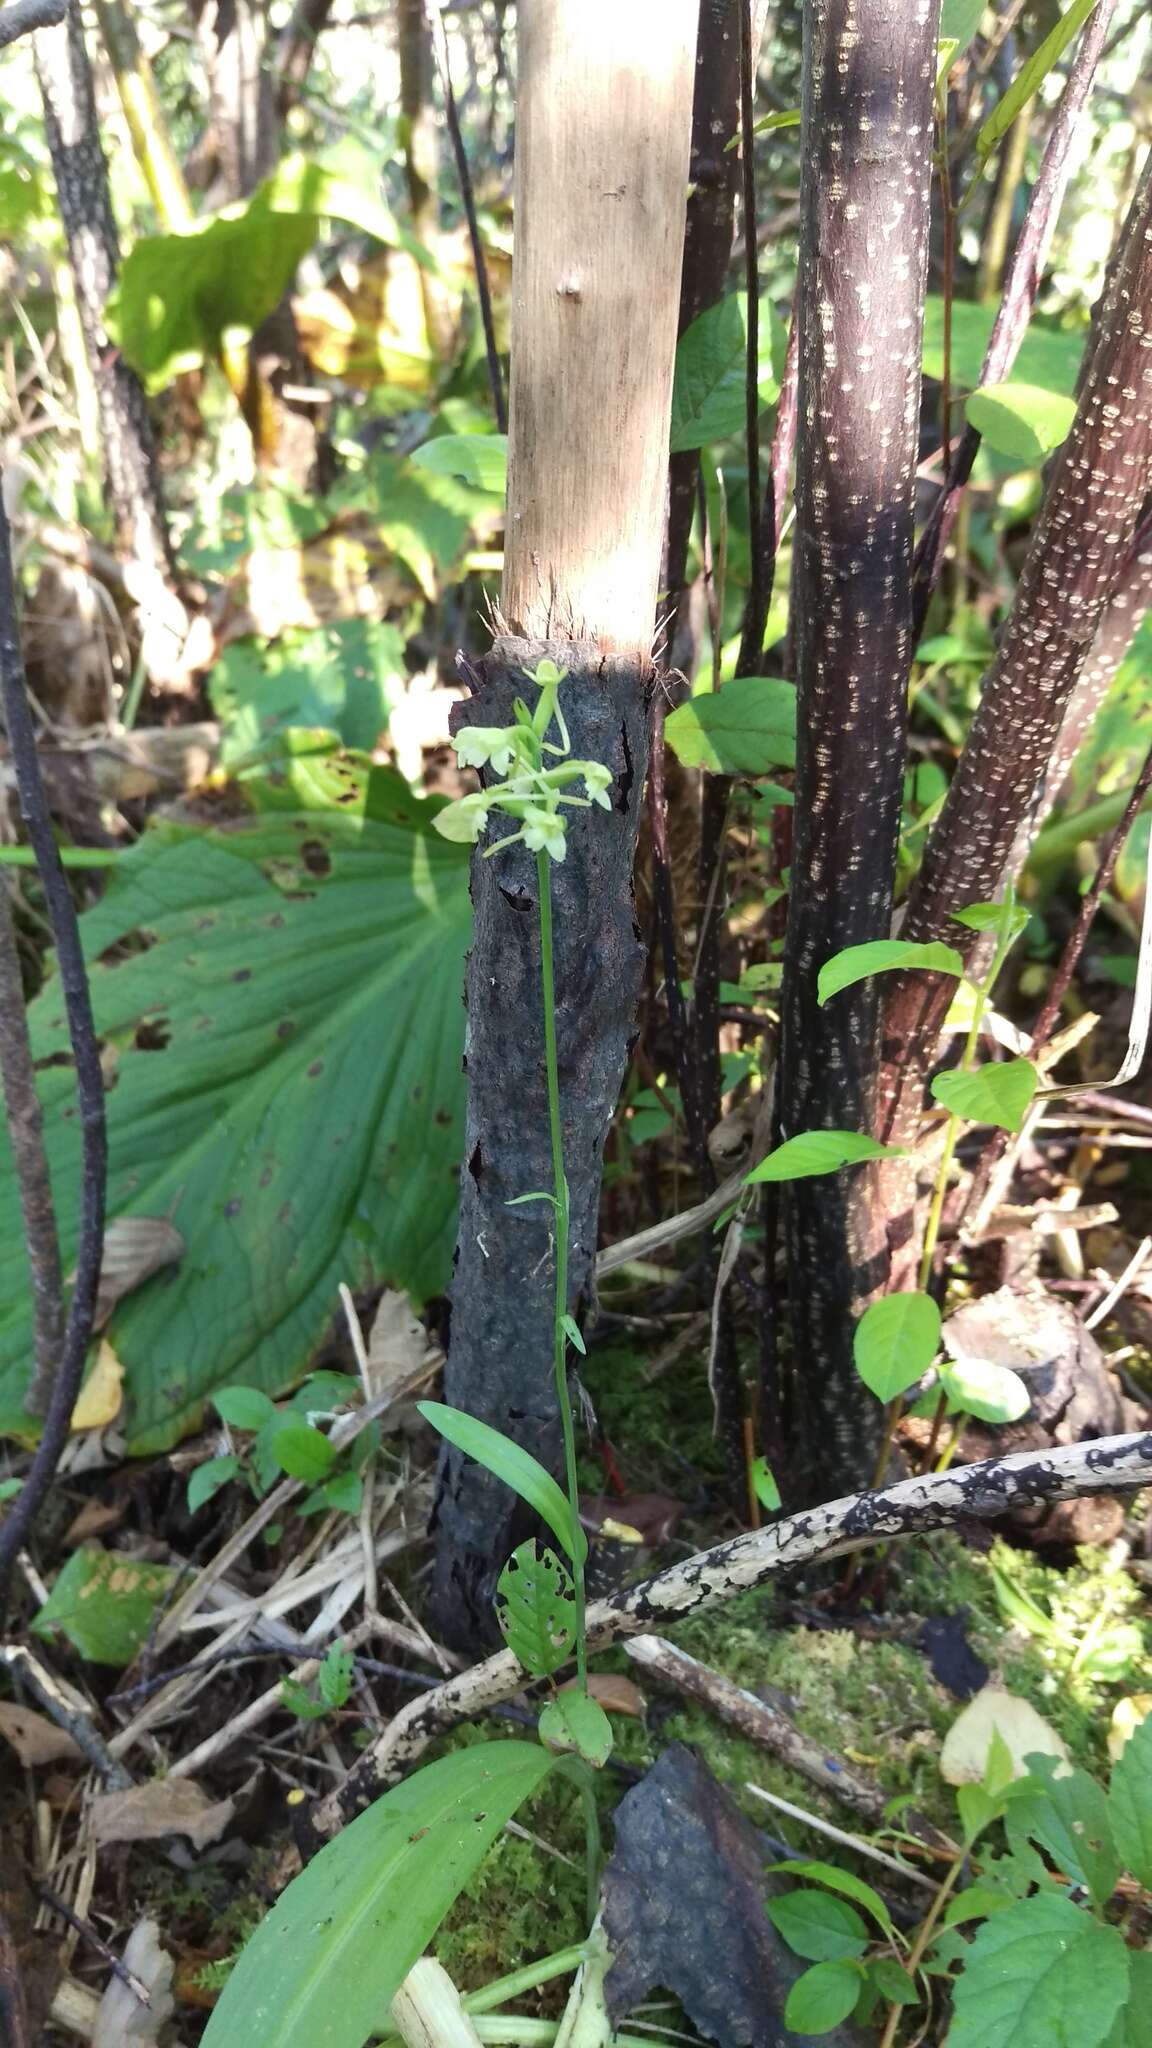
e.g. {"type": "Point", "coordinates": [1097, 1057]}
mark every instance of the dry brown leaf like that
{"type": "Point", "coordinates": [35, 1739]}
{"type": "Point", "coordinates": [164, 1806]}
{"type": "Point", "coordinates": [615, 1693]}
{"type": "Point", "coordinates": [95, 1518]}
{"type": "Point", "coordinates": [135, 1247]}
{"type": "Point", "coordinates": [99, 1398]}
{"type": "Point", "coordinates": [401, 1355]}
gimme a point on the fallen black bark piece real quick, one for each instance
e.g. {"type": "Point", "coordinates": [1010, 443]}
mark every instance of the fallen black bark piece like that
{"type": "Point", "coordinates": [684, 1911]}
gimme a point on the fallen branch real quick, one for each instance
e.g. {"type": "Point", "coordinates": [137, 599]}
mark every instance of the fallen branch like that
{"type": "Point", "coordinates": [915, 1506]}
{"type": "Point", "coordinates": [759, 1722]}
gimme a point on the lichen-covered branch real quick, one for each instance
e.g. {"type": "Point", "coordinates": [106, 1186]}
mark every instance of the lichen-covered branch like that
{"type": "Point", "coordinates": [915, 1507]}
{"type": "Point", "coordinates": [869, 69]}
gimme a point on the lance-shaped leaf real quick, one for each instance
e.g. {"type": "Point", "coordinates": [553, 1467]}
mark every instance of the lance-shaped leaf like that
{"type": "Point", "coordinates": [331, 1955]}
{"type": "Point", "coordinates": [819, 1152]}
{"type": "Point", "coordinates": [514, 1465]}
{"type": "Point", "coordinates": [884, 956]}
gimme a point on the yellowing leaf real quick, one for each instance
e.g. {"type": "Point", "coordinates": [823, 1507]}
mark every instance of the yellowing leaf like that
{"type": "Point", "coordinates": [100, 1396]}
{"type": "Point", "coordinates": [996, 1712]}
{"type": "Point", "coordinates": [1127, 1715]}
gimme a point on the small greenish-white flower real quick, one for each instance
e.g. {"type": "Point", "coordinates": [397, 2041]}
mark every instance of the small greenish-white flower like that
{"type": "Point", "coordinates": [465, 820]}
{"type": "Point", "coordinates": [544, 832]}
{"type": "Point", "coordinates": [597, 782]}
{"type": "Point", "coordinates": [477, 746]}
{"type": "Point", "coordinates": [546, 673]}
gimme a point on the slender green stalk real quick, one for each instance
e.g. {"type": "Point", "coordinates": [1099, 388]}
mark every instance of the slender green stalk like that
{"type": "Point", "coordinates": [563, 1964]}
{"type": "Point", "coordinates": [924, 1935]}
{"type": "Point", "coordinates": [560, 1195]}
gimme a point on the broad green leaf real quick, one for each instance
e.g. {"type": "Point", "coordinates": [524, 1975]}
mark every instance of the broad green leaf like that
{"type": "Point", "coordinates": [822, 1997]}
{"type": "Point", "coordinates": [325, 1964]}
{"type": "Point", "coordinates": [959, 21]}
{"type": "Point", "coordinates": [334, 1678]}
{"type": "Point", "coordinates": [1133, 2028]}
{"type": "Point", "coordinates": [743, 729]}
{"type": "Point", "coordinates": [181, 296]}
{"type": "Point", "coordinates": [104, 1604]}
{"type": "Point", "coordinates": [479, 460]}
{"type": "Point", "coordinates": [344, 678]}
{"type": "Point", "coordinates": [975, 1902]}
{"type": "Point", "coordinates": [1066, 1812]}
{"type": "Point", "coordinates": [1130, 1803]}
{"type": "Point", "coordinates": [892, 1982]}
{"type": "Point", "coordinates": [988, 917]}
{"type": "Point", "coordinates": [287, 1083]}
{"type": "Point", "coordinates": [819, 1152]}
{"type": "Point", "coordinates": [1041, 1975]}
{"type": "Point", "coordinates": [843, 1881]}
{"type": "Point", "coordinates": [243, 1407]}
{"type": "Point", "coordinates": [1031, 77]}
{"type": "Point", "coordinates": [345, 1493]}
{"type": "Point", "coordinates": [993, 1393]}
{"type": "Point", "coordinates": [708, 393]}
{"type": "Point", "coordinates": [1046, 357]}
{"type": "Point", "coordinates": [817, 1926]}
{"type": "Point", "coordinates": [764, 1485]}
{"type": "Point", "coordinates": [301, 1452]}
{"type": "Point", "coordinates": [576, 1723]}
{"type": "Point", "coordinates": [998, 1094]}
{"type": "Point", "coordinates": [978, 1808]}
{"type": "Point", "coordinates": [516, 1467]}
{"type": "Point", "coordinates": [1021, 419]}
{"type": "Point", "coordinates": [881, 956]}
{"type": "Point", "coordinates": [207, 1479]}
{"type": "Point", "coordinates": [896, 1340]}
{"type": "Point", "coordinates": [536, 1608]}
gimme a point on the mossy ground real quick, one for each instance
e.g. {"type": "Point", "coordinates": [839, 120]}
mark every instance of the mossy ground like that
{"type": "Point", "coordinates": [874, 1701]}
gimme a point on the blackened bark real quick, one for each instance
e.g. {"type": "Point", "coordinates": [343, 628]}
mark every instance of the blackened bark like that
{"type": "Point", "coordinates": [502, 1288]}
{"type": "Point", "coordinates": [867, 159]}
{"type": "Point", "coordinates": [81, 173]}
{"type": "Point", "coordinates": [1083, 537]}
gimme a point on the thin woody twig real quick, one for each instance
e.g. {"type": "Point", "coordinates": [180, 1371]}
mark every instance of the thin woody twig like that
{"type": "Point", "coordinates": [22, 1514]}
{"type": "Point", "coordinates": [468, 199]}
{"type": "Point", "coordinates": [913, 1507]}
{"type": "Point", "coordinates": [26, 1136]}
{"type": "Point", "coordinates": [24, 17]}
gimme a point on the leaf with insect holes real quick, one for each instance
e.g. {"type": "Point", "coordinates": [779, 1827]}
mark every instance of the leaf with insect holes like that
{"type": "Point", "coordinates": [515, 1466]}
{"type": "Point", "coordinates": [764, 1485]}
{"type": "Point", "coordinates": [819, 1152]}
{"type": "Point", "coordinates": [575, 1722]}
{"type": "Point", "coordinates": [822, 1997]}
{"type": "Point", "coordinates": [745, 728]}
{"type": "Point", "coordinates": [998, 1094]}
{"type": "Point", "coordinates": [882, 956]}
{"type": "Point", "coordinates": [1066, 1813]}
{"type": "Point", "coordinates": [895, 1342]}
{"type": "Point", "coordinates": [536, 1608]}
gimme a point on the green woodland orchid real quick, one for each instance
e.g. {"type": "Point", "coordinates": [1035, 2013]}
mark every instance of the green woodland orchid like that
{"type": "Point", "coordinates": [532, 793]}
